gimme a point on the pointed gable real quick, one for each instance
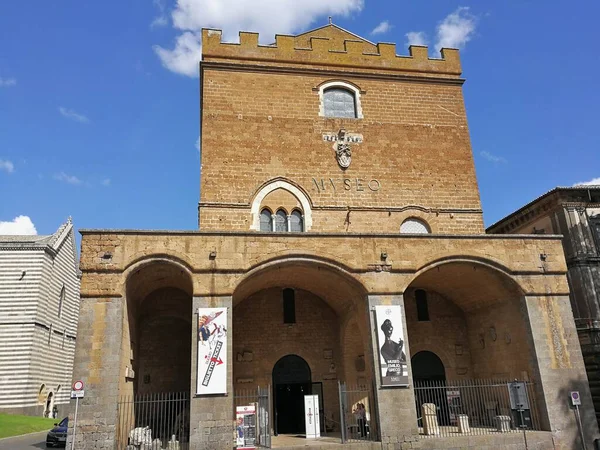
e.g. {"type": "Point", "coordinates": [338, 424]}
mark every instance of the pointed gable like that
{"type": "Point", "coordinates": [337, 37]}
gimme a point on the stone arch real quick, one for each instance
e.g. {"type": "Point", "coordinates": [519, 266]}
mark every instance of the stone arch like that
{"type": "Point", "coordinates": [157, 325]}
{"type": "Point", "coordinates": [488, 305]}
{"type": "Point", "coordinates": [272, 185]}
{"type": "Point", "coordinates": [327, 297]}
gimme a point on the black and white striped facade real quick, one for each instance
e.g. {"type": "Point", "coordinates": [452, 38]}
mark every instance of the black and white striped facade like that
{"type": "Point", "coordinates": [39, 308]}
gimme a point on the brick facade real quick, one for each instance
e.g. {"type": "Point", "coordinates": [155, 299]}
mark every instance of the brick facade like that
{"type": "Point", "coordinates": [496, 308]}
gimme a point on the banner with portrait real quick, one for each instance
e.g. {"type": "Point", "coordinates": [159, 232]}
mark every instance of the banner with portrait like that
{"type": "Point", "coordinates": [212, 351]}
{"type": "Point", "coordinates": [391, 350]}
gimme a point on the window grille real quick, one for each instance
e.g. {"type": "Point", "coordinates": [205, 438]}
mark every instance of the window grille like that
{"type": "Point", "coordinates": [414, 226]}
{"type": "Point", "coordinates": [338, 102]}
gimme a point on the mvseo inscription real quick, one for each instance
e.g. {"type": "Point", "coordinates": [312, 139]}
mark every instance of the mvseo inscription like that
{"type": "Point", "coordinates": [346, 184]}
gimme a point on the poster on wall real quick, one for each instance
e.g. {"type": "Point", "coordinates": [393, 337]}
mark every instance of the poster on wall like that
{"type": "Point", "coordinates": [390, 336]}
{"type": "Point", "coordinates": [245, 427]}
{"type": "Point", "coordinates": [212, 351]}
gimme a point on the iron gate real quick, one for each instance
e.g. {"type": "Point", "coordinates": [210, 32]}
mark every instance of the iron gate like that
{"type": "Point", "coordinates": [357, 413]}
{"type": "Point", "coordinates": [143, 420]}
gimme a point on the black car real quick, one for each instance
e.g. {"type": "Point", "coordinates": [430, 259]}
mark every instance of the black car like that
{"type": "Point", "coordinates": [57, 436]}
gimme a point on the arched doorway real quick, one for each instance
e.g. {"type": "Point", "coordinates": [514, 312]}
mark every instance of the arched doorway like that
{"type": "Point", "coordinates": [427, 366]}
{"type": "Point", "coordinates": [49, 405]}
{"type": "Point", "coordinates": [291, 382]}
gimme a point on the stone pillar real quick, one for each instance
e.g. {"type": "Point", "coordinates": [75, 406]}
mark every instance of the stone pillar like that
{"type": "Point", "coordinates": [395, 405]}
{"type": "Point", "coordinates": [560, 370]}
{"type": "Point", "coordinates": [97, 364]}
{"type": "Point", "coordinates": [212, 416]}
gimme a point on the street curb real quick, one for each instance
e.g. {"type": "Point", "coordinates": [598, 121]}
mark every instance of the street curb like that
{"type": "Point", "coordinates": [21, 435]}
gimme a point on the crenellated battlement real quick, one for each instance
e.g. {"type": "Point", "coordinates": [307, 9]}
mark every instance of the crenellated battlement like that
{"type": "Point", "coordinates": [329, 46]}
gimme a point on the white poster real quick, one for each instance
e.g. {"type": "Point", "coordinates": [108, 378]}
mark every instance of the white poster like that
{"type": "Point", "coordinates": [245, 430]}
{"type": "Point", "coordinates": [311, 416]}
{"type": "Point", "coordinates": [212, 351]}
{"type": "Point", "coordinates": [390, 336]}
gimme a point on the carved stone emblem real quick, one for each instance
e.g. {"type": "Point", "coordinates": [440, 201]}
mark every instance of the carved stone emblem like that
{"type": "Point", "coordinates": [341, 146]}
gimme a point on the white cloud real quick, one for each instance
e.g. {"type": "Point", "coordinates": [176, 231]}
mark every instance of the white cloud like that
{"type": "Point", "coordinates": [416, 38]}
{"type": "Point", "coordinates": [70, 179]}
{"type": "Point", "coordinates": [105, 182]}
{"type": "Point", "coordinates": [7, 166]}
{"type": "Point", "coordinates": [7, 82]}
{"type": "Point", "coordinates": [70, 114]}
{"type": "Point", "coordinates": [162, 19]}
{"type": "Point", "coordinates": [383, 27]}
{"type": "Point", "coordinates": [198, 144]}
{"type": "Point", "coordinates": [456, 29]}
{"type": "Point", "coordinates": [232, 16]}
{"type": "Point", "coordinates": [21, 225]}
{"type": "Point", "coordinates": [592, 182]}
{"type": "Point", "coordinates": [493, 158]}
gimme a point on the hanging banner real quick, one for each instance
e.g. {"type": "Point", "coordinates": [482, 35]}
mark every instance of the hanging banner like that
{"type": "Point", "coordinates": [212, 351]}
{"type": "Point", "coordinates": [390, 336]}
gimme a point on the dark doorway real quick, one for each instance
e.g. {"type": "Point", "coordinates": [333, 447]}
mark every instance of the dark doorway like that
{"type": "Point", "coordinates": [429, 378]}
{"type": "Point", "coordinates": [291, 382]}
{"type": "Point", "coordinates": [427, 366]}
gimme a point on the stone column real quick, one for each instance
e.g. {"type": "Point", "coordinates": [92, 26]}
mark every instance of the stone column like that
{"type": "Point", "coordinates": [97, 364]}
{"type": "Point", "coordinates": [395, 405]}
{"type": "Point", "coordinates": [560, 370]}
{"type": "Point", "coordinates": [212, 416]}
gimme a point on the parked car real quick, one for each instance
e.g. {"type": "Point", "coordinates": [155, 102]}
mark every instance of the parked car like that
{"type": "Point", "coordinates": [57, 436]}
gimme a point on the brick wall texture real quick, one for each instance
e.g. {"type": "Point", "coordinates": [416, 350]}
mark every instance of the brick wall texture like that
{"type": "Point", "coordinates": [496, 308]}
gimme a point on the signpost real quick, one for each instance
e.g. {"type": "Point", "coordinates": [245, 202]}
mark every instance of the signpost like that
{"type": "Point", "coordinates": [576, 402]}
{"type": "Point", "coordinates": [76, 393]}
{"type": "Point", "coordinates": [245, 427]}
{"type": "Point", "coordinates": [519, 402]}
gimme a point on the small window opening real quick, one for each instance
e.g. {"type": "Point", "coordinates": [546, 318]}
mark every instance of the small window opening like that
{"type": "Point", "coordinates": [422, 307]}
{"type": "Point", "coordinates": [296, 222]}
{"type": "Point", "coordinates": [281, 222]}
{"type": "Point", "coordinates": [289, 306]}
{"type": "Point", "coordinates": [266, 220]}
{"type": "Point", "coordinates": [61, 301]}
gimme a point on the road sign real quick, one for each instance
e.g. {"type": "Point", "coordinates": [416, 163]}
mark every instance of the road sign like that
{"type": "Point", "coordinates": [575, 398]}
{"type": "Point", "coordinates": [78, 386]}
{"type": "Point", "coordinates": [77, 394]}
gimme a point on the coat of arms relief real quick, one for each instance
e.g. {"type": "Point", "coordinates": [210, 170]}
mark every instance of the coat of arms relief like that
{"type": "Point", "coordinates": [341, 145]}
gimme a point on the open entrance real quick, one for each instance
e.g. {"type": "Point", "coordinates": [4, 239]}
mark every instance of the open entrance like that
{"type": "Point", "coordinates": [291, 382]}
{"type": "Point", "coordinates": [301, 327]}
{"type": "Point", "coordinates": [467, 327]}
{"type": "Point", "coordinates": [427, 366]}
{"type": "Point", "coordinates": [155, 396]}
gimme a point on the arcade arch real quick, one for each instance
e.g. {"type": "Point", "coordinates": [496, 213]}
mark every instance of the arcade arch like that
{"type": "Point", "coordinates": [330, 335]}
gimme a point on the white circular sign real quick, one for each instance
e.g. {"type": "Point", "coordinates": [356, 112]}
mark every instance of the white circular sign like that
{"type": "Point", "coordinates": [78, 386]}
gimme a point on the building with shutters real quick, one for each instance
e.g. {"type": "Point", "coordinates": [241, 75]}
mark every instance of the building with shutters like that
{"type": "Point", "coordinates": [39, 308]}
{"type": "Point", "coordinates": [340, 252]}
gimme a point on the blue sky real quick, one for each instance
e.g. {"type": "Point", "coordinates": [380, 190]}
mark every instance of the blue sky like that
{"type": "Point", "coordinates": [99, 116]}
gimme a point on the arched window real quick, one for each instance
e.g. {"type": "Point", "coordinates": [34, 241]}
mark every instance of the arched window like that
{"type": "Point", "coordinates": [281, 221]}
{"type": "Point", "coordinates": [266, 220]}
{"type": "Point", "coordinates": [61, 300]}
{"type": "Point", "coordinates": [339, 102]}
{"type": "Point", "coordinates": [296, 222]}
{"type": "Point", "coordinates": [414, 226]}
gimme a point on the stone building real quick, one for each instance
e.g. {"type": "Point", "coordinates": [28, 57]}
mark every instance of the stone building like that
{"type": "Point", "coordinates": [39, 308]}
{"type": "Point", "coordinates": [573, 212]}
{"type": "Point", "coordinates": [337, 184]}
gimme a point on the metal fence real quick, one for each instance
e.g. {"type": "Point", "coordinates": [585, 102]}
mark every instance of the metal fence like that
{"type": "Point", "coordinates": [151, 419]}
{"type": "Point", "coordinates": [473, 407]}
{"type": "Point", "coordinates": [357, 413]}
{"type": "Point", "coordinates": [260, 397]}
